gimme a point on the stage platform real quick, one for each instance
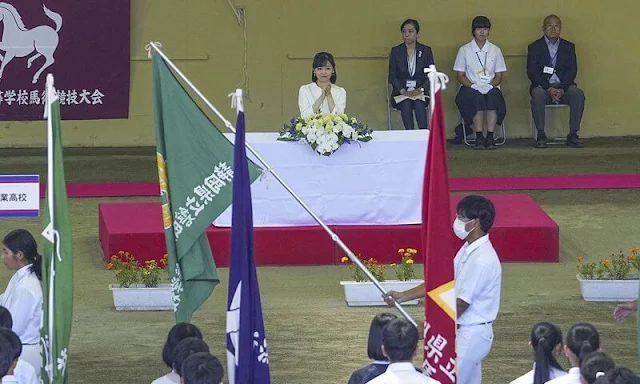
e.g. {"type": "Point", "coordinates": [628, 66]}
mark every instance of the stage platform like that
{"type": "Point", "coordinates": [522, 232]}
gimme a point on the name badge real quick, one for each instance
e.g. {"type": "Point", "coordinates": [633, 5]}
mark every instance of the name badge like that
{"type": "Point", "coordinates": [485, 79]}
{"type": "Point", "coordinates": [411, 85]}
{"type": "Point", "coordinates": [548, 70]}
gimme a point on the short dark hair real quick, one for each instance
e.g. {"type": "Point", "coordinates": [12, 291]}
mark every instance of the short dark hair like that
{"type": "Point", "coordinates": [400, 340]}
{"type": "Point", "coordinates": [478, 207]}
{"type": "Point", "coordinates": [593, 363]}
{"type": "Point", "coordinates": [177, 333]}
{"type": "Point", "coordinates": [374, 344]}
{"type": "Point", "coordinates": [14, 340]}
{"type": "Point", "coordinates": [6, 356]}
{"type": "Point", "coordinates": [202, 368]}
{"type": "Point", "coordinates": [415, 23]}
{"type": "Point", "coordinates": [186, 348]}
{"type": "Point", "coordinates": [619, 375]}
{"type": "Point", "coordinates": [545, 337]}
{"type": "Point", "coordinates": [582, 339]}
{"type": "Point", "coordinates": [320, 60]}
{"type": "Point", "coordinates": [549, 17]}
{"type": "Point", "coordinates": [6, 320]}
{"type": "Point", "coordinates": [479, 22]}
{"type": "Point", "coordinates": [21, 240]}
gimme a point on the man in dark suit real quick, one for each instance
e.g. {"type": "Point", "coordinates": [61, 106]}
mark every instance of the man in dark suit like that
{"type": "Point", "coordinates": [407, 62]}
{"type": "Point", "coordinates": [552, 67]}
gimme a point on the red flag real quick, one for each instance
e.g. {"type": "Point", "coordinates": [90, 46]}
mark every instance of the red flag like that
{"type": "Point", "coordinates": [439, 245]}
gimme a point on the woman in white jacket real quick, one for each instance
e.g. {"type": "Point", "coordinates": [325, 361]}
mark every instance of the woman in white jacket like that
{"type": "Point", "coordinates": [322, 95]}
{"type": "Point", "coordinates": [23, 295]}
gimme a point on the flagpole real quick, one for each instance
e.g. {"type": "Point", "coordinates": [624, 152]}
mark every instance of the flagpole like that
{"type": "Point", "coordinates": [50, 94]}
{"type": "Point", "coordinates": [336, 239]}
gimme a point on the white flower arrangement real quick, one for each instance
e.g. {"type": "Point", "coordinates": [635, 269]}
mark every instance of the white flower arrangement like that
{"type": "Point", "coordinates": [325, 133]}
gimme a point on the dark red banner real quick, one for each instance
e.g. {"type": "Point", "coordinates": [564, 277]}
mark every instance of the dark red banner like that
{"type": "Point", "coordinates": [84, 44]}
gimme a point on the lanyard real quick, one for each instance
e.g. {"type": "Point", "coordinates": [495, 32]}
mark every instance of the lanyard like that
{"type": "Point", "coordinates": [411, 63]}
{"type": "Point", "coordinates": [484, 66]}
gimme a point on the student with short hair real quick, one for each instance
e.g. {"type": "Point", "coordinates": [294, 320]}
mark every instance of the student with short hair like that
{"type": "Point", "coordinates": [10, 349]}
{"type": "Point", "coordinates": [379, 361]}
{"type": "Point", "coordinates": [202, 368]}
{"type": "Point", "coordinates": [619, 375]}
{"type": "Point", "coordinates": [186, 348]}
{"type": "Point", "coordinates": [23, 295]}
{"type": "Point", "coordinates": [581, 340]}
{"type": "Point", "coordinates": [594, 365]}
{"type": "Point", "coordinates": [546, 342]}
{"type": "Point", "coordinates": [177, 333]}
{"type": "Point", "coordinates": [399, 344]}
{"type": "Point", "coordinates": [24, 372]}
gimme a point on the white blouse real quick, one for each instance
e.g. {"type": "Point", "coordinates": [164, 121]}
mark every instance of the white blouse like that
{"type": "Point", "coordinates": [309, 93]}
{"type": "Point", "coordinates": [527, 378]}
{"type": "Point", "coordinates": [573, 377]}
{"type": "Point", "coordinates": [23, 299]}
{"type": "Point", "coordinates": [170, 378]}
{"type": "Point", "coordinates": [25, 373]}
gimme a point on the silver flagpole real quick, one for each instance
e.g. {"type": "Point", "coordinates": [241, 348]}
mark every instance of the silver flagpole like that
{"type": "Point", "coordinates": [286, 186]}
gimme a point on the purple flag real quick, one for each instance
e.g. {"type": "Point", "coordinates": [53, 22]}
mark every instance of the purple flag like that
{"type": "Point", "coordinates": [84, 44]}
{"type": "Point", "coordinates": [247, 355]}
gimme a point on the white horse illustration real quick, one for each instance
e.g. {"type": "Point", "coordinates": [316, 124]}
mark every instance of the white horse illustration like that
{"type": "Point", "coordinates": [18, 41]}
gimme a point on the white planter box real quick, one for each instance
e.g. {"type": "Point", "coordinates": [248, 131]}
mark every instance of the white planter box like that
{"type": "Point", "coordinates": [609, 290]}
{"type": "Point", "coordinates": [139, 298]}
{"type": "Point", "coordinates": [359, 294]}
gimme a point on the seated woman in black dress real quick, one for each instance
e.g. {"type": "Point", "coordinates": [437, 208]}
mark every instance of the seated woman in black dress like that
{"type": "Point", "coordinates": [407, 62]}
{"type": "Point", "coordinates": [379, 362]}
{"type": "Point", "coordinates": [480, 66]}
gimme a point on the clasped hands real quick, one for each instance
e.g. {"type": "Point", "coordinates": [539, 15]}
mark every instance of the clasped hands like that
{"type": "Point", "coordinates": [555, 93]}
{"type": "Point", "coordinates": [483, 88]}
{"type": "Point", "coordinates": [415, 92]}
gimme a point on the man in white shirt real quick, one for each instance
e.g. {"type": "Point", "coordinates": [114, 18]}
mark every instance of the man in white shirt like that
{"type": "Point", "coordinates": [478, 279]}
{"type": "Point", "coordinates": [399, 344]}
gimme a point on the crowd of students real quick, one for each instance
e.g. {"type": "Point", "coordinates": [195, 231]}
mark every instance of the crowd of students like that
{"type": "Point", "coordinates": [393, 342]}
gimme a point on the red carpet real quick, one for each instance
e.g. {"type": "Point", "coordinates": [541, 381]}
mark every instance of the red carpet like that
{"type": "Point", "coordinates": [460, 184]}
{"type": "Point", "coordinates": [523, 232]}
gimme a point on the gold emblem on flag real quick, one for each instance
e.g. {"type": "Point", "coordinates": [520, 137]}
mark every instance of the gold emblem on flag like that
{"type": "Point", "coordinates": [164, 191]}
{"type": "Point", "coordinates": [445, 297]}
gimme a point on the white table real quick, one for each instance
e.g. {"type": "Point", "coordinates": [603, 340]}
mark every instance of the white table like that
{"type": "Point", "coordinates": [373, 183]}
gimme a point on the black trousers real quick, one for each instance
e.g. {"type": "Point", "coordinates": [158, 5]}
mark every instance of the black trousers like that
{"type": "Point", "coordinates": [573, 96]}
{"type": "Point", "coordinates": [408, 107]}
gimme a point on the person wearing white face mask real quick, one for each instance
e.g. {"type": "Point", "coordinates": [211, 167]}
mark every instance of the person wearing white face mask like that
{"type": "Point", "coordinates": [478, 279]}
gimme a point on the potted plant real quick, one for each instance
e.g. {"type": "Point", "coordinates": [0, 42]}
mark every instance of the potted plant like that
{"type": "Point", "coordinates": [362, 292]}
{"type": "Point", "coordinates": [139, 287]}
{"type": "Point", "coordinates": [614, 278]}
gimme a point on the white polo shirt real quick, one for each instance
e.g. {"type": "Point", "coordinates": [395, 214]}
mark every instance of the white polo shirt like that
{"type": "Point", "coordinates": [402, 373]}
{"type": "Point", "coordinates": [23, 299]}
{"type": "Point", "coordinates": [527, 378]}
{"type": "Point", "coordinates": [476, 62]}
{"type": "Point", "coordinates": [478, 279]}
{"type": "Point", "coordinates": [572, 377]}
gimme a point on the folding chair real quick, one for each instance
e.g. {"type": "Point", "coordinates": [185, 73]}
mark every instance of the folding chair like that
{"type": "Point", "coordinates": [500, 134]}
{"type": "Point", "coordinates": [390, 108]}
{"type": "Point", "coordinates": [555, 139]}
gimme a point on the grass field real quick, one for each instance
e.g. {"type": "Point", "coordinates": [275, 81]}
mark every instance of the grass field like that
{"type": "Point", "coordinates": [313, 336]}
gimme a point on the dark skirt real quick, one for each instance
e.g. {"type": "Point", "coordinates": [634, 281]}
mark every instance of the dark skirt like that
{"type": "Point", "coordinates": [470, 102]}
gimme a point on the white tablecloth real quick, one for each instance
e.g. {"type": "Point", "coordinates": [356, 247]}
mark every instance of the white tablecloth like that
{"type": "Point", "coordinates": [373, 183]}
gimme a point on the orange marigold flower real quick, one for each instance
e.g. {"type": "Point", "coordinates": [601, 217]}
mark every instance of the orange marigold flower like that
{"type": "Point", "coordinates": [632, 257]}
{"type": "Point", "coordinates": [635, 250]}
{"type": "Point", "coordinates": [409, 261]}
{"type": "Point", "coordinates": [344, 259]}
{"type": "Point", "coordinates": [606, 261]}
{"type": "Point", "coordinates": [580, 259]}
{"type": "Point", "coordinates": [393, 264]}
{"type": "Point", "coordinates": [120, 252]}
{"type": "Point", "coordinates": [114, 257]}
{"type": "Point", "coordinates": [401, 250]}
{"type": "Point", "coordinates": [110, 266]}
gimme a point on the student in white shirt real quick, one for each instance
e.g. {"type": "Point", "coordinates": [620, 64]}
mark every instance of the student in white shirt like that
{"type": "Point", "coordinates": [619, 375]}
{"type": "Point", "coordinates": [480, 66]}
{"type": "Point", "coordinates": [546, 343]}
{"type": "Point", "coordinates": [322, 95]}
{"type": "Point", "coordinates": [379, 362]}
{"type": "Point", "coordinates": [581, 340]}
{"type": "Point", "coordinates": [594, 366]}
{"type": "Point", "coordinates": [202, 368]}
{"type": "Point", "coordinates": [478, 279]}
{"type": "Point", "coordinates": [23, 295]}
{"type": "Point", "coordinates": [24, 372]}
{"type": "Point", "coordinates": [399, 344]}
{"type": "Point", "coordinates": [177, 333]}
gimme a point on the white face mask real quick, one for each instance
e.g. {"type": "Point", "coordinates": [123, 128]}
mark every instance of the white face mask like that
{"type": "Point", "coordinates": [459, 229]}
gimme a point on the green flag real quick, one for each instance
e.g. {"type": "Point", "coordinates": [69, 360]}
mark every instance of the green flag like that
{"type": "Point", "coordinates": [195, 168]}
{"type": "Point", "coordinates": [57, 258]}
